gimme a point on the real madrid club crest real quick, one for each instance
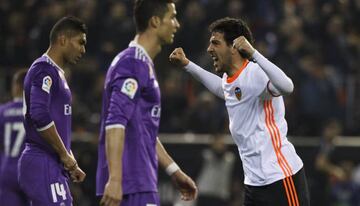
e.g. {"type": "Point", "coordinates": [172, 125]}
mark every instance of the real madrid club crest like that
{"type": "Point", "coordinates": [238, 93]}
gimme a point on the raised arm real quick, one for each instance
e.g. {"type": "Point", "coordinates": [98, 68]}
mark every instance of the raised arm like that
{"type": "Point", "coordinates": [280, 83]}
{"type": "Point", "coordinates": [184, 183]}
{"type": "Point", "coordinates": [208, 79]}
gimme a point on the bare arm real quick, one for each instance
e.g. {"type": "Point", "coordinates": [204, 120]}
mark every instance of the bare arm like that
{"type": "Point", "coordinates": [115, 139]}
{"type": "Point", "coordinates": [184, 183]}
{"type": "Point", "coordinates": [114, 144]}
{"type": "Point", "coordinates": [52, 137]}
{"type": "Point", "coordinates": [163, 157]}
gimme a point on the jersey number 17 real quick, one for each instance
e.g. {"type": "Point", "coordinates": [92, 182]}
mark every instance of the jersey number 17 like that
{"type": "Point", "coordinates": [10, 129]}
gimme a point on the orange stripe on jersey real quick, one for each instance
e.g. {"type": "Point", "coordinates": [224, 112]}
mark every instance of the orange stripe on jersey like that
{"type": "Point", "coordinates": [238, 72]}
{"type": "Point", "coordinates": [272, 136]}
{"type": "Point", "coordinates": [278, 137]}
{"type": "Point", "coordinates": [282, 156]}
{"type": "Point", "coordinates": [271, 130]}
{"type": "Point", "coordinates": [275, 136]}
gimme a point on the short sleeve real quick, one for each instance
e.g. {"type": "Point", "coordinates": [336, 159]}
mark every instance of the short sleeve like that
{"type": "Point", "coordinates": [129, 77]}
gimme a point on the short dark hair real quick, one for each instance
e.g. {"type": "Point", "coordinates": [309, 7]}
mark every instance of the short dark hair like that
{"type": "Point", "coordinates": [145, 9]}
{"type": "Point", "coordinates": [19, 77]}
{"type": "Point", "coordinates": [69, 25]}
{"type": "Point", "coordinates": [231, 28]}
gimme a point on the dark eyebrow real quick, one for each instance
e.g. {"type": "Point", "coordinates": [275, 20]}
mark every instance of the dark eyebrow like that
{"type": "Point", "coordinates": [214, 41]}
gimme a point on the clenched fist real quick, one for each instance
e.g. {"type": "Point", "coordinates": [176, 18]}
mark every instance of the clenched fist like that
{"type": "Point", "coordinates": [178, 57]}
{"type": "Point", "coordinates": [244, 47]}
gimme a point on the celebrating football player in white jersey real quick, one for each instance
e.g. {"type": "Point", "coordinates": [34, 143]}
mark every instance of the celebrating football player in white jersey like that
{"type": "Point", "coordinates": [252, 88]}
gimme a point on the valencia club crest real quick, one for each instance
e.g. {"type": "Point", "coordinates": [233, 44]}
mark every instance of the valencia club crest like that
{"type": "Point", "coordinates": [238, 93]}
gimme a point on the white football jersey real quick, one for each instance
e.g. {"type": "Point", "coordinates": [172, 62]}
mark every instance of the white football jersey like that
{"type": "Point", "coordinates": [258, 127]}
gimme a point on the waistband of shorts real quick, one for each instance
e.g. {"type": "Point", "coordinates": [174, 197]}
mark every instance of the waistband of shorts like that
{"type": "Point", "coordinates": [34, 149]}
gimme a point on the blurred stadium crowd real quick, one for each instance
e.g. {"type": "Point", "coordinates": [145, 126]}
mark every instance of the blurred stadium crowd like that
{"type": "Point", "coordinates": [316, 42]}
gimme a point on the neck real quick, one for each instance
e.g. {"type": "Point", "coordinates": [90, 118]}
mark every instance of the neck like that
{"type": "Point", "coordinates": [56, 56]}
{"type": "Point", "coordinates": [237, 63]}
{"type": "Point", "coordinates": [150, 43]}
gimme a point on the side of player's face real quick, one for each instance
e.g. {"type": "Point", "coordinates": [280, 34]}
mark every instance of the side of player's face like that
{"type": "Point", "coordinates": [169, 25]}
{"type": "Point", "coordinates": [75, 48]}
{"type": "Point", "coordinates": [220, 52]}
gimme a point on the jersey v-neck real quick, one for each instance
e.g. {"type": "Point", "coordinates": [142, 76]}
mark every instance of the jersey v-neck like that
{"type": "Point", "coordinates": [238, 72]}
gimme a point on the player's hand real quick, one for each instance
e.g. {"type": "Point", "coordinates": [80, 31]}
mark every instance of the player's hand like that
{"type": "Point", "coordinates": [185, 185]}
{"type": "Point", "coordinates": [77, 175]}
{"type": "Point", "coordinates": [69, 162]}
{"type": "Point", "coordinates": [244, 47]}
{"type": "Point", "coordinates": [113, 194]}
{"type": "Point", "coordinates": [178, 57]}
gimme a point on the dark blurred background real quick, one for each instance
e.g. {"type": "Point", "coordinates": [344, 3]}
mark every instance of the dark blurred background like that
{"type": "Point", "coordinates": [316, 42]}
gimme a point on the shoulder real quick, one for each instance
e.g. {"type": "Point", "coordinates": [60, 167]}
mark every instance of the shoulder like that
{"type": "Point", "coordinates": [256, 74]}
{"type": "Point", "coordinates": [42, 65]}
{"type": "Point", "coordinates": [130, 64]}
{"type": "Point", "coordinates": [2, 107]}
{"type": "Point", "coordinates": [5, 106]}
{"type": "Point", "coordinates": [254, 68]}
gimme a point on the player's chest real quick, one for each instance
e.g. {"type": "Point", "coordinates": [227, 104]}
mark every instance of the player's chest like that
{"type": "Point", "coordinates": [151, 93]}
{"type": "Point", "coordinates": [238, 91]}
{"type": "Point", "coordinates": [63, 93]}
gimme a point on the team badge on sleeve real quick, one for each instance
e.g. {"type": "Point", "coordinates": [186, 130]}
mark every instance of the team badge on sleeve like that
{"type": "Point", "coordinates": [238, 93]}
{"type": "Point", "coordinates": [46, 85]}
{"type": "Point", "coordinates": [129, 87]}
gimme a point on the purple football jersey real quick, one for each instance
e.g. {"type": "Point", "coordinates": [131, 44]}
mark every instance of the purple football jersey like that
{"type": "Point", "coordinates": [12, 134]}
{"type": "Point", "coordinates": [12, 131]}
{"type": "Point", "coordinates": [47, 102]}
{"type": "Point", "coordinates": [131, 100]}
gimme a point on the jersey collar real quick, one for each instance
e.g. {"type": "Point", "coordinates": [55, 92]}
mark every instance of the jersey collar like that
{"type": "Point", "coordinates": [135, 44]}
{"type": "Point", "coordinates": [52, 62]}
{"type": "Point", "coordinates": [238, 72]}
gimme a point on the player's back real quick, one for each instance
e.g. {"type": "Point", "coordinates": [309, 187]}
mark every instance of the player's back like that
{"type": "Point", "coordinates": [12, 134]}
{"type": "Point", "coordinates": [137, 95]}
{"type": "Point", "coordinates": [12, 130]}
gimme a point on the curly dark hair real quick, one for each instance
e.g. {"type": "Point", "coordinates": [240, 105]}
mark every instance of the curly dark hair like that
{"type": "Point", "coordinates": [231, 28]}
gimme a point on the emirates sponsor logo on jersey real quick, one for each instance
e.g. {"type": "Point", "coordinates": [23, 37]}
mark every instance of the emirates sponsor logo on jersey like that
{"type": "Point", "coordinates": [238, 93]}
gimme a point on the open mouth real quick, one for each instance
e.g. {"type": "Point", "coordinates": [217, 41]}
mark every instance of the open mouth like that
{"type": "Point", "coordinates": [215, 59]}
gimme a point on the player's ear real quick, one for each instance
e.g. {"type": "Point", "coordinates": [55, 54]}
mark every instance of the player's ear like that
{"type": "Point", "coordinates": [234, 51]}
{"type": "Point", "coordinates": [154, 22]}
{"type": "Point", "coordinates": [62, 39]}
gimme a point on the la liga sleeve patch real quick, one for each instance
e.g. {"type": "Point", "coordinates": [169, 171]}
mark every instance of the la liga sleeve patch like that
{"type": "Point", "coordinates": [129, 87]}
{"type": "Point", "coordinates": [46, 84]}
